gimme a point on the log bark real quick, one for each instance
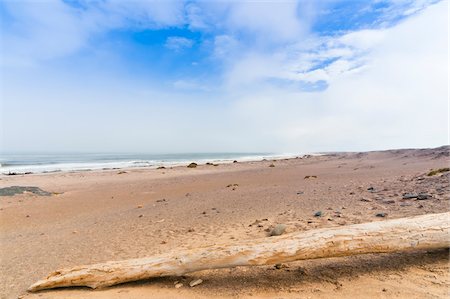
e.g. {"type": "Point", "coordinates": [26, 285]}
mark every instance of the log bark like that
{"type": "Point", "coordinates": [412, 233]}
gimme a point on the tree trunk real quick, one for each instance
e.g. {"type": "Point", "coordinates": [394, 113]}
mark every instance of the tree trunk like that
{"type": "Point", "coordinates": [412, 233]}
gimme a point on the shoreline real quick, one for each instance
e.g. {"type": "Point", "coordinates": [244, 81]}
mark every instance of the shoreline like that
{"type": "Point", "coordinates": [128, 164]}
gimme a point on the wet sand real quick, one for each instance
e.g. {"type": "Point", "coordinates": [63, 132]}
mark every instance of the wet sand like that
{"type": "Point", "coordinates": [98, 216]}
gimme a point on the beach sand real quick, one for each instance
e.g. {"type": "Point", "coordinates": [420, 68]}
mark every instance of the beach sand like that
{"type": "Point", "coordinates": [96, 216]}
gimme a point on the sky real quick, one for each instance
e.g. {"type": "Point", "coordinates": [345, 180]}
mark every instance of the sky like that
{"type": "Point", "coordinates": [223, 76]}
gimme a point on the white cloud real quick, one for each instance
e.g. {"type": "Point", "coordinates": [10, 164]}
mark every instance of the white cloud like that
{"type": "Point", "coordinates": [399, 99]}
{"type": "Point", "coordinates": [178, 43]}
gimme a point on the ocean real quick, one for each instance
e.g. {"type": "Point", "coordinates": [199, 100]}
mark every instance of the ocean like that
{"type": "Point", "coordinates": [55, 162]}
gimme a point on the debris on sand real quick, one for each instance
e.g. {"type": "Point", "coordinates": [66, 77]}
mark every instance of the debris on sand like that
{"type": "Point", "coordinates": [423, 196]}
{"type": "Point", "coordinates": [409, 195]}
{"type": "Point", "coordinates": [192, 165]}
{"type": "Point", "coordinates": [195, 282]}
{"type": "Point", "coordinates": [178, 285]}
{"type": "Point", "coordinates": [161, 167]}
{"type": "Point", "coordinates": [381, 215]}
{"type": "Point", "coordinates": [438, 171]}
{"type": "Point", "coordinates": [278, 230]}
{"type": "Point", "coordinates": [318, 214]}
{"type": "Point", "coordinates": [13, 190]}
{"type": "Point", "coordinates": [272, 165]}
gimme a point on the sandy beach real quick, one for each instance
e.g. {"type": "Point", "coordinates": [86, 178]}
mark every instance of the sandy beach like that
{"type": "Point", "coordinates": [97, 216]}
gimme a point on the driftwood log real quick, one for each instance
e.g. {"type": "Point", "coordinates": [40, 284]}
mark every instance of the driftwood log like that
{"type": "Point", "coordinates": [412, 233]}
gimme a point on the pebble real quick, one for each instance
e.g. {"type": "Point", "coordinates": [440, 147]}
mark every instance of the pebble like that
{"type": "Point", "coordinates": [178, 285]}
{"type": "Point", "coordinates": [381, 215]}
{"type": "Point", "coordinates": [195, 282]}
{"type": "Point", "coordinates": [318, 214]}
{"type": "Point", "coordinates": [278, 230]}
{"type": "Point", "coordinates": [423, 196]}
{"type": "Point", "coordinates": [388, 201]}
{"type": "Point", "coordinates": [281, 266]}
{"type": "Point", "coordinates": [409, 196]}
{"type": "Point", "coordinates": [366, 200]}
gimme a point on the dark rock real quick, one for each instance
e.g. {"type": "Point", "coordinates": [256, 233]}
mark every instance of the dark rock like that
{"type": "Point", "coordinates": [192, 165]}
{"type": "Point", "coordinates": [388, 201]}
{"type": "Point", "coordinates": [318, 214]}
{"type": "Point", "coordinates": [371, 190]}
{"type": "Point", "coordinates": [423, 196]}
{"type": "Point", "coordinates": [235, 161]}
{"type": "Point", "coordinates": [366, 199]}
{"type": "Point", "coordinates": [161, 167]}
{"type": "Point", "coordinates": [271, 165]}
{"type": "Point", "coordinates": [381, 215]}
{"type": "Point", "coordinates": [13, 190]}
{"type": "Point", "coordinates": [300, 192]}
{"type": "Point", "coordinates": [409, 195]}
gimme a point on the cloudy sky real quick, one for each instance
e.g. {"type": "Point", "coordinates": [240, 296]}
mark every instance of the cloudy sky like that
{"type": "Point", "coordinates": [216, 76]}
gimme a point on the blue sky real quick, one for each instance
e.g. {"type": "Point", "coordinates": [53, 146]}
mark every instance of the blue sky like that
{"type": "Point", "coordinates": [180, 76]}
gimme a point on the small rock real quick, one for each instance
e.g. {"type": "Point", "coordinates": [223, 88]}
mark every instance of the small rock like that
{"type": "Point", "coordinates": [161, 167]}
{"type": "Point", "coordinates": [366, 200]}
{"type": "Point", "coordinates": [178, 285]}
{"type": "Point", "coordinates": [405, 204]}
{"type": "Point", "coordinates": [423, 196]}
{"type": "Point", "coordinates": [204, 212]}
{"type": "Point", "coordinates": [161, 200]}
{"type": "Point", "coordinates": [300, 192]}
{"type": "Point", "coordinates": [278, 230]}
{"type": "Point", "coordinates": [191, 230]}
{"type": "Point", "coordinates": [235, 161]}
{"type": "Point", "coordinates": [192, 165]}
{"type": "Point", "coordinates": [281, 266]}
{"type": "Point", "coordinates": [388, 201]}
{"type": "Point", "coordinates": [272, 165]}
{"type": "Point", "coordinates": [195, 282]}
{"type": "Point", "coordinates": [409, 195]}
{"type": "Point", "coordinates": [371, 189]}
{"type": "Point", "coordinates": [139, 206]}
{"type": "Point", "coordinates": [381, 215]}
{"type": "Point", "coordinates": [163, 242]}
{"type": "Point", "coordinates": [318, 214]}
{"type": "Point", "coordinates": [140, 216]}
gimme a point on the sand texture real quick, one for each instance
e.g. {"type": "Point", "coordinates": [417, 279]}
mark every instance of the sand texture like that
{"type": "Point", "coordinates": [97, 216]}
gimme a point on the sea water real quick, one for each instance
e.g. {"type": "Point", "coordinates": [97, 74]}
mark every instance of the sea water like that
{"type": "Point", "coordinates": [54, 162]}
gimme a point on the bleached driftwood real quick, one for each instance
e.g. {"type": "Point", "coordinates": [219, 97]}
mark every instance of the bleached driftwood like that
{"type": "Point", "coordinates": [412, 233]}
